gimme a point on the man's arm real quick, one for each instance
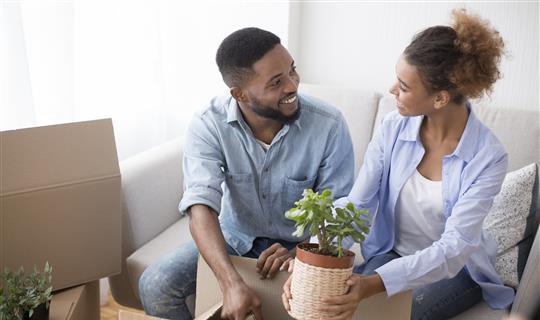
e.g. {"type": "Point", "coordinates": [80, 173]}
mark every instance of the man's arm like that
{"type": "Point", "coordinates": [203, 176]}
{"type": "Point", "coordinates": [238, 298]}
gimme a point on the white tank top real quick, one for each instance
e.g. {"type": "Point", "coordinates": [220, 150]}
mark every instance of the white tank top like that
{"type": "Point", "coordinates": [419, 215]}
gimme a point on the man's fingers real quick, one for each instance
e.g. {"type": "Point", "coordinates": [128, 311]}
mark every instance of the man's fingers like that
{"type": "Point", "coordinates": [279, 254]}
{"type": "Point", "coordinates": [265, 254]}
{"type": "Point", "coordinates": [275, 267]}
{"type": "Point", "coordinates": [257, 312]}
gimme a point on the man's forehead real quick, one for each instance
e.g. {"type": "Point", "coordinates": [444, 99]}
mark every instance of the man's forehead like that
{"type": "Point", "coordinates": [273, 62]}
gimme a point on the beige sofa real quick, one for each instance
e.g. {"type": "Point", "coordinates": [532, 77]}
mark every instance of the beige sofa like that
{"type": "Point", "coordinates": [152, 188]}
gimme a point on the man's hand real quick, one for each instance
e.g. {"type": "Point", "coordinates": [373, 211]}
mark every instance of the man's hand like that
{"type": "Point", "coordinates": [239, 301]}
{"type": "Point", "coordinates": [275, 258]}
{"type": "Point", "coordinates": [360, 287]}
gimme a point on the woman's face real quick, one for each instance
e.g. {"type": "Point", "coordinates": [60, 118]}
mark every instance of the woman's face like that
{"type": "Point", "coordinates": [413, 98]}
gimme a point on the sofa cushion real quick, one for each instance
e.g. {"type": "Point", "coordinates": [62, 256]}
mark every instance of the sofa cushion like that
{"type": "Point", "coordinates": [511, 221]}
{"type": "Point", "coordinates": [481, 311]}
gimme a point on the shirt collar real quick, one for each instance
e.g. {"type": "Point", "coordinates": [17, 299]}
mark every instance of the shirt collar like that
{"type": "Point", "coordinates": [465, 148]}
{"type": "Point", "coordinates": [234, 114]}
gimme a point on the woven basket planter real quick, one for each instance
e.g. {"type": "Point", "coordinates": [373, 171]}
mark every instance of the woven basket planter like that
{"type": "Point", "coordinates": [316, 276]}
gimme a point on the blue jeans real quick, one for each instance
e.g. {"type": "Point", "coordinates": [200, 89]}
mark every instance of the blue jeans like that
{"type": "Point", "coordinates": [164, 285]}
{"type": "Point", "coordinates": [440, 300]}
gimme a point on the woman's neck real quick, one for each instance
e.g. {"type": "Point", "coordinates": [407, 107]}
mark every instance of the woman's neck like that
{"type": "Point", "coordinates": [447, 123]}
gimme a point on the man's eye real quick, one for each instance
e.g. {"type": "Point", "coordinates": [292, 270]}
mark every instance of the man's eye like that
{"type": "Point", "coordinates": [276, 83]}
{"type": "Point", "coordinates": [293, 70]}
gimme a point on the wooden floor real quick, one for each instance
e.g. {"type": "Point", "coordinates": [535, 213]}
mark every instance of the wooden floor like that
{"type": "Point", "coordinates": [110, 310]}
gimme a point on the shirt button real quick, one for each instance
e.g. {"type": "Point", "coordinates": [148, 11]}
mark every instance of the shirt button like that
{"type": "Point", "coordinates": [266, 169]}
{"type": "Point", "coordinates": [264, 196]}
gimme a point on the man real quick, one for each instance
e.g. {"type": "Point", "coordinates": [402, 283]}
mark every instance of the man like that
{"type": "Point", "coordinates": [247, 159]}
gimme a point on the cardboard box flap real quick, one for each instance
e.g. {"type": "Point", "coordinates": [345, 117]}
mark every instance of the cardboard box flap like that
{"type": "Point", "coordinates": [57, 155]}
{"type": "Point", "coordinates": [377, 307]}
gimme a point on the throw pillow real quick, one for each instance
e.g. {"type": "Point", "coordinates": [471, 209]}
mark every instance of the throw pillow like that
{"type": "Point", "coordinates": [510, 222]}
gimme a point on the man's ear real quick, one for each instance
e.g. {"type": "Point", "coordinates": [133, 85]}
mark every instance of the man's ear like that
{"type": "Point", "coordinates": [238, 94]}
{"type": "Point", "coordinates": [442, 98]}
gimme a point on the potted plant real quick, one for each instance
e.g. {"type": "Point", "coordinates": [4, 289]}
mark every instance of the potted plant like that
{"type": "Point", "coordinates": [321, 270]}
{"type": "Point", "coordinates": [25, 297]}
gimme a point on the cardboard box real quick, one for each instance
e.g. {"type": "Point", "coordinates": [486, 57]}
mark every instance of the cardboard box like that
{"type": "Point", "coordinates": [60, 201]}
{"type": "Point", "coordinates": [78, 303]}
{"type": "Point", "coordinates": [209, 297]}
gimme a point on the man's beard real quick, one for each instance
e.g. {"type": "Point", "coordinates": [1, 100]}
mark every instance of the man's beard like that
{"type": "Point", "coordinates": [269, 113]}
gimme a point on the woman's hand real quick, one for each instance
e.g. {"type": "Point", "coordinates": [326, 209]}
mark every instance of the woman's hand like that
{"type": "Point", "coordinates": [360, 287]}
{"type": "Point", "coordinates": [286, 296]}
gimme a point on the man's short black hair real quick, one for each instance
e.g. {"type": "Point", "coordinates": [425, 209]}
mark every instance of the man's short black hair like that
{"type": "Point", "coordinates": [240, 50]}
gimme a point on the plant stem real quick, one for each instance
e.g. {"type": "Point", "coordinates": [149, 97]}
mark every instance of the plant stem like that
{"type": "Point", "coordinates": [340, 247]}
{"type": "Point", "coordinates": [321, 236]}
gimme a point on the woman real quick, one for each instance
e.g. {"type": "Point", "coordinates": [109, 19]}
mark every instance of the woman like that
{"type": "Point", "coordinates": [432, 170]}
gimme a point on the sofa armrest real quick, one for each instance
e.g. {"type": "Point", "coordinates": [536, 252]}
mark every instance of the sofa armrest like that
{"type": "Point", "coordinates": [152, 189]}
{"type": "Point", "coordinates": [528, 293]}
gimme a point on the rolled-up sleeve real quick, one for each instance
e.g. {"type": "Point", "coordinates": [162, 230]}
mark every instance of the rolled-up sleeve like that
{"type": "Point", "coordinates": [462, 235]}
{"type": "Point", "coordinates": [203, 165]}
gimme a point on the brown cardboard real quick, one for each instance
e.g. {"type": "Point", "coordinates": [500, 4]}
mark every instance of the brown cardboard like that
{"type": "Point", "coordinates": [60, 201]}
{"type": "Point", "coordinates": [209, 296]}
{"type": "Point", "coordinates": [128, 315]}
{"type": "Point", "coordinates": [78, 303]}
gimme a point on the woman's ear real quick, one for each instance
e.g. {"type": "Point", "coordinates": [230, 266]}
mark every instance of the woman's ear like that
{"type": "Point", "coordinates": [442, 98]}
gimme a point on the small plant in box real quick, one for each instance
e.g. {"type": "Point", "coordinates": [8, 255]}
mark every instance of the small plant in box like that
{"type": "Point", "coordinates": [321, 270]}
{"type": "Point", "coordinates": [25, 296]}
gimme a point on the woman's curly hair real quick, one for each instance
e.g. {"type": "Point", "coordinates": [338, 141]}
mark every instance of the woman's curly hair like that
{"type": "Point", "coordinates": [462, 59]}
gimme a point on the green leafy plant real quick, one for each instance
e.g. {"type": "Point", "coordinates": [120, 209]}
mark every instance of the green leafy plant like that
{"type": "Point", "coordinates": [315, 213]}
{"type": "Point", "coordinates": [21, 294]}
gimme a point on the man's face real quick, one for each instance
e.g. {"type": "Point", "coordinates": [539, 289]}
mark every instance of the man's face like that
{"type": "Point", "coordinates": [272, 89]}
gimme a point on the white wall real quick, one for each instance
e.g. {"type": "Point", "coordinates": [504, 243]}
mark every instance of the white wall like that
{"type": "Point", "coordinates": [357, 44]}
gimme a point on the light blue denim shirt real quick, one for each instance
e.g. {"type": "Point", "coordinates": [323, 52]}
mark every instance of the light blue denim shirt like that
{"type": "Point", "coordinates": [472, 176]}
{"type": "Point", "coordinates": [250, 188]}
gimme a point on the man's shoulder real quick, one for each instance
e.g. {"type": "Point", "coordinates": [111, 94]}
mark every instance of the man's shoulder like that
{"type": "Point", "coordinates": [216, 108]}
{"type": "Point", "coordinates": [315, 107]}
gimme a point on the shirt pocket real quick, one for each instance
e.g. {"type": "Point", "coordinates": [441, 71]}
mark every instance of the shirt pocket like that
{"type": "Point", "coordinates": [292, 192]}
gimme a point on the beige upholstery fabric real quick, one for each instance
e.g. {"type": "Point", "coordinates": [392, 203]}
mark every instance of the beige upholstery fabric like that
{"type": "Point", "coordinates": [151, 189]}
{"type": "Point", "coordinates": [481, 311]}
{"type": "Point", "coordinates": [165, 242]}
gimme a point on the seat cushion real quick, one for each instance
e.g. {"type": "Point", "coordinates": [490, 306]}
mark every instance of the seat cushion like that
{"type": "Point", "coordinates": [481, 311]}
{"type": "Point", "coordinates": [168, 240]}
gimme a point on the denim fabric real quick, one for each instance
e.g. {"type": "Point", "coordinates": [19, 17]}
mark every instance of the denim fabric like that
{"type": "Point", "coordinates": [166, 283]}
{"type": "Point", "coordinates": [226, 169]}
{"type": "Point", "coordinates": [441, 300]}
